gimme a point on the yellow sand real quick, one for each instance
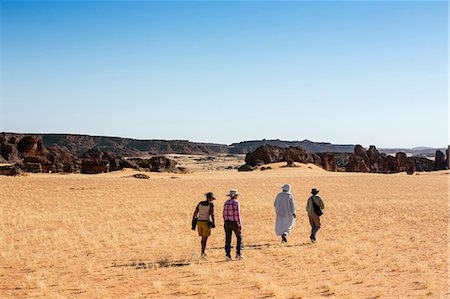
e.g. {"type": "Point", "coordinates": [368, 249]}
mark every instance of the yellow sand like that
{"type": "Point", "coordinates": [110, 236]}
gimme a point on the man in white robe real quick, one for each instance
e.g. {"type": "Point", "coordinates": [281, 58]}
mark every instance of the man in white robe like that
{"type": "Point", "coordinates": [285, 211]}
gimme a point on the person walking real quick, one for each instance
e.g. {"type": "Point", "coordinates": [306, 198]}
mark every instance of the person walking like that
{"type": "Point", "coordinates": [232, 223]}
{"type": "Point", "coordinates": [314, 207]}
{"type": "Point", "coordinates": [285, 212]}
{"type": "Point", "coordinates": [203, 218]}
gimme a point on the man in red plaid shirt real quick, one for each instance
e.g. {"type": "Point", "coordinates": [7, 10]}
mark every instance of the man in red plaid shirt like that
{"type": "Point", "coordinates": [232, 223]}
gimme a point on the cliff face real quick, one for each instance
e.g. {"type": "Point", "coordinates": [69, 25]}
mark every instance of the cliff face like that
{"type": "Point", "coordinates": [127, 147]}
{"type": "Point", "coordinates": [315, 147]}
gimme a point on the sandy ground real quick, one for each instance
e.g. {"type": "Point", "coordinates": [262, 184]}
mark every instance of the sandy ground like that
{"type": "Point", "coordinates": [114, 236]}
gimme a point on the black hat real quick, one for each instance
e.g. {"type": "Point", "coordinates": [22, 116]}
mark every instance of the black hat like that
{"type": "Point", "coordinates": [314, 191]}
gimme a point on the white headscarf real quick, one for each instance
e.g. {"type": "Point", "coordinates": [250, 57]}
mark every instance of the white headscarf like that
{"type": "Point", "coordinates": [286, 188]}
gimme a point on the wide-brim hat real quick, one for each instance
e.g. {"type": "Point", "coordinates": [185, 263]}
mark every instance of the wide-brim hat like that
{"type": "Point", "coordinates": [210, 195]}
{"type": "Point", "coordinates": [233, 192]}
{"type": "Point", "coordinates": [314, 191]}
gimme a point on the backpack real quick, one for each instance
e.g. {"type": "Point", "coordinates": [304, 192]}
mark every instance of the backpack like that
{"type": "Point", "coordinates": [316, 208]}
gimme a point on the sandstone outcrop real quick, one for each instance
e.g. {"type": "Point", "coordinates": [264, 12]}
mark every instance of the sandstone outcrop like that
{"type": "Point", "coordinates": [328, 162]}
{"type": "Point", "coordinates": [10, 170]}
{"type": "Point", "coordinates": [439, 161]}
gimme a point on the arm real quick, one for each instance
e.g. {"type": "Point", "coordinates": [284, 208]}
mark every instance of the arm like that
{"type": "Point", "coordinates": [292, 206]}
{"type": "Point", "coordinates": [319, 202]}
{"type": "Point", "coordinates": [211, 212]}
{"type": "Point", "coordinates": [238, 209]}
{"type": "Point", "coordinates": [195, 213]}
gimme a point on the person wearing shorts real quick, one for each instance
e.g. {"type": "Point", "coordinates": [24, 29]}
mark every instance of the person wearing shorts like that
{"type": "Point", "coordinates": [203, 218]}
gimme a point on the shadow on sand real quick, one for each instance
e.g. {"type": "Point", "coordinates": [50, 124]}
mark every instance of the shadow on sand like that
{"type": "Point", "coordinates": [172, 264]}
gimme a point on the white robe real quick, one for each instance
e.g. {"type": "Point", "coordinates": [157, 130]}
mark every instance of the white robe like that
{"type": "Point", "coordinates": [285, 209]}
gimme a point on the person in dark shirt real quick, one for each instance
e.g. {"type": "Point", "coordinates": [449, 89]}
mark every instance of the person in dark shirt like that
{"type": "Point", "coordinates": [203, 218]}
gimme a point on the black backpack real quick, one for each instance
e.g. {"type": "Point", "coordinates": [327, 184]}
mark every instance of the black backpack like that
{"type": "Point", "coordinates": [316, 208]}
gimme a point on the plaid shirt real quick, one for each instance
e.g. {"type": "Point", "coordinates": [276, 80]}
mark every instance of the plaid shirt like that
{"type": "Point", "coordinates": [231, 211]}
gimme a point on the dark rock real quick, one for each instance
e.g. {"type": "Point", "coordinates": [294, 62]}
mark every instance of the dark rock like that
{"type": "Point", "coordinates": [356, 164]}
{"type": "Point", "coordinates": [10, 170]}
{"type": "Point", "coordinates": [410, 166]}
{"type": "Point", "coordinates": [266, 154]}
{"type": "Point", "coordinates": [328, 162]}
{"type": "Point", "coordinates": [448, 155]}
{"type": "Point", "coordinates": [375, 160]}
{"type": "Point", "coordinates": [439, 161]}
{"type": "Point", "coordinates": [8, 149]}
{"type": "Point", "coordinates": [402, 161]}
{"type": "Point", "coordinates": [141, 176]}
{"type": "Point", "coordinates": [390, 164]}
{"type": "Point", "coordinates": [361, 152]}
{"type": "Point", "coordinates": [92, 166]}
{"type": "Point", "coordinates": [183, 169]}
{"type": "Point", "coordinates": [33, 167]}
{"type": "Point", "coordinates": [422, 164]}
{"type": "Point", "coordinates": [246, 167]}
{"type": "Point", "coordinates": [30, 146]}
{"type": "Point", "coordinates": [161, 164]}
{"type": "Point", "coordinates": [298, 154]}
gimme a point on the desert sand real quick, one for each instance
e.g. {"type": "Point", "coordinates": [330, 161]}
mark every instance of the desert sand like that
{"type": "Point", "coordinates": [114, 236]}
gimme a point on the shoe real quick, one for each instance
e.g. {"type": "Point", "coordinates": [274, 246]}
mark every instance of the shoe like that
{"type": "Point", "coordinates": [203, 256]}
{"type": "Point", "coordinates": [283, 238]}
{"type": "Point", "coordinates": [313, 238]}
{"type": "Point", "coordinates": [228, 257]}
{"type": "Point", "coordinates": [239, 257]}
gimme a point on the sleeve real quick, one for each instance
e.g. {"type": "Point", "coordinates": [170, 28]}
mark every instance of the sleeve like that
{"type": "Point", "coordinates": [307, 205]}
{"type": "Point", "coordinates": [195, 212]}
{"type": "Point", "coordinates": [238, 209]}
{"type": "Point", "coordinates": [292, 204]}
{"type": "Point", "coordinates": [320, 203]}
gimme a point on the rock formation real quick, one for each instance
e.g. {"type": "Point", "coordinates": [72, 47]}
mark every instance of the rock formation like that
{"type": "Point", "coordinates": [439, 161]}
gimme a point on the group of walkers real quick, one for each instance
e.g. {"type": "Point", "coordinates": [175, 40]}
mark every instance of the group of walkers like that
{"type": "Point", "coordinates": [203, 217]}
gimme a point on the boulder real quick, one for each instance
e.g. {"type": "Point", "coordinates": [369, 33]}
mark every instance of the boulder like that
{"type": "Point", "coordinates": [92, 166]}
{"type": "Point", "coordinates": [439, 161]}
{"type": "Point", "coordinates": [390, 164]}
{"type": "Point", "coordinates": [10, 170]}
{"type": "Point", "coordinates": [32, 167]}
{"type": "Point", "coordinates": [448, 159]}
{"type": "Point", "coordinates": [422, 164]}
{"type": "Point", "coordinates": [361, 152]}
{"type": "Point", "coordinates": [246, 167]}
{"type": "Point", "coordinates": [402, 161]}
{"type": "Point", "coordinates": [266, 154]}
{"type": "Point", "coordinates": [46, 165]}
{"type": "Point", "coordinates": [298, 154]}
{"type": "Point", "coordinates": [141, 176]}
{"type": "Point", "coordinates": [410, 166]}
{"type": "Point", "coordinates": [8, 149]}
{"type": "Point", "coordinates": [161, 164]}
{"type": "Point", "coordinates": [375, 159]}
{"type": "Point", "coordinates": [328, 162]}
{"type": "Point", "coordinates": [30, 146]}
{"type": "Point", "coordinates": [356, 164]}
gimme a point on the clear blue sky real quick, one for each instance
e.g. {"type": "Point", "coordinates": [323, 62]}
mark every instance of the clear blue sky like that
{"type": "Point", "coordinates": [342, 72]}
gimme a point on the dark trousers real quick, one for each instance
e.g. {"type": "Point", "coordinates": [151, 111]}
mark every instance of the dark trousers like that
{"type": "Point", "coordinates": [314, 220]}
{"type": "Point", "coordinates": [230, 227]}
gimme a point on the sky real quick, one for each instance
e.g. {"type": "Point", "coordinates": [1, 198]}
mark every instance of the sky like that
{"type": "Point", "coordinates": [356, 72]}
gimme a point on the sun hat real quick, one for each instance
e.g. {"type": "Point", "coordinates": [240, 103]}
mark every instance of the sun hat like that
{"type": "Point", "coordinates": [314, 191]}
{"type": "Point", "coordinates": [233, 192]}
{"type": "Point", "coordinates": [210, 195]}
